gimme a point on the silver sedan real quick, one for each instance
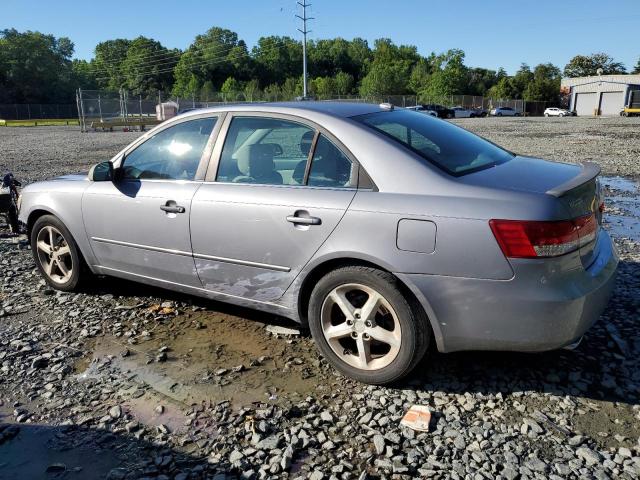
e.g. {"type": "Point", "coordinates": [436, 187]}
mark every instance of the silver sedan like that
{"type": "Point", "coordinates": [382, 230]}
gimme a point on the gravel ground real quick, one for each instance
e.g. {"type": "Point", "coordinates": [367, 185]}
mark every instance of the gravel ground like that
{"type": "Point", "coordinates": [127, 381]}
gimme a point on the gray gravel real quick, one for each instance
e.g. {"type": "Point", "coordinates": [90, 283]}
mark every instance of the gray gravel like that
{"type": "Point", "coordinates": [125, 381]}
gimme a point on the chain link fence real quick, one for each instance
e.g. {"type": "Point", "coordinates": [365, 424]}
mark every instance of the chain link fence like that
{"type": "Point", "coordinates": [37, 111]}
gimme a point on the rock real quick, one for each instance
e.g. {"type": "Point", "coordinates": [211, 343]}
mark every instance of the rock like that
{"type": "Point", "coordinates": [590, 456]}
{"type": "Point", "coordinates": [379, 443]}
{"type": "Point", "coordinates": [326, 417]}
{"type": "Point", "coordinates": [235, 456]}
{"type": "Point", "coordinates": [115, 412]}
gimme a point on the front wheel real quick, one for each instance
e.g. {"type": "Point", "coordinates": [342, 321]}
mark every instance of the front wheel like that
{"type": "Point", "coordinates": [56, 254]}
{"type": "Point", "coordinates": [365, 326]}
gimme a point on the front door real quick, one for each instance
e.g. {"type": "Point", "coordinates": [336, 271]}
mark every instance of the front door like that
{"type": "Point", "coordinates": [139, 223]}
{"type": "Point", "coordinates": [280, 190]}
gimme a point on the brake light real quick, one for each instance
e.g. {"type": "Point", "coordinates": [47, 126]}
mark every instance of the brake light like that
{"type": "Point", "coordinates": [535, 239]}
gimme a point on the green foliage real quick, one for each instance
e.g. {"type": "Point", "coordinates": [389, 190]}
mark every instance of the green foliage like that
{"type": "Point", "coordinates": [584, 66]}
{"type": "Point", "coordinates": [35, 68]}
{"type": "Point", "coordinates": [144, 67]}
{"type": "Point", "coordinates": [636, 69]}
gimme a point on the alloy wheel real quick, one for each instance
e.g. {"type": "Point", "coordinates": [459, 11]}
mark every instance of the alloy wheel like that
{"type": "Point", "coordinates": [54, 254]}
{"type": "Point", "coordinates": [361, 326]}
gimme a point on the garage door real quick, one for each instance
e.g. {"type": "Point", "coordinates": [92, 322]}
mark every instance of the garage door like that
{"type": "Point", "coordinates": [585, 103]}
{"type": "Point", "coordinates": [611, 103]}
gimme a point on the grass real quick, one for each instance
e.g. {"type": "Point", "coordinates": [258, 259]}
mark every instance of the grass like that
{"type": "Point", "coordinates": [39, 122]}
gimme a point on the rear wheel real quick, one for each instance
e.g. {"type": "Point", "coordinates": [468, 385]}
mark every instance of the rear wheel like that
{"type": "Point", "coordinates": [56, 254]}
{"type": "Point", "coordinates": [364, 325]}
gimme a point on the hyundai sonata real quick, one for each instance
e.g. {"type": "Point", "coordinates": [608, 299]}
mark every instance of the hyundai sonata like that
{"type": "Point", "coordinates": [384, 230]}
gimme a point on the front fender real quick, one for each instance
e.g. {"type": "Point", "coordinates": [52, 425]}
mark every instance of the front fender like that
{"type": "Point", "coordinates": [66, 206]}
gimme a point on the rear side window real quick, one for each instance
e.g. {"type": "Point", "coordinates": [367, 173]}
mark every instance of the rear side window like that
{"type": "Point", "coordinates": [266, 151]}
{"type": "Point", "coordinates": [330, 167]}
{"type": "Point", "coordinates": [171, 154]}
{"type": "Point", "coordinates": [447, 146]}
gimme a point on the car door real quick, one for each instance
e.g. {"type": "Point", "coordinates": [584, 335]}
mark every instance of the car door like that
{"type": "Point", "coordinates": [139, 223]}
{"type": "Point", "coordinates": [278, 188]}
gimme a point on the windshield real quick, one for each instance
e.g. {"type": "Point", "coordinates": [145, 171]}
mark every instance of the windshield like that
{"type": "Point", "coordinates": [447, 146]}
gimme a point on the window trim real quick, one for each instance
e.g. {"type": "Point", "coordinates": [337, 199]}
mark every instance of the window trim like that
{"type": "Point", "coordinates": [214, 161]}
{"type": "Point", "coordinates": [204, 157]}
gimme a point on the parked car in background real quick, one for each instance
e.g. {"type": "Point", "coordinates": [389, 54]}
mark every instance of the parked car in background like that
{"type": "Point", "coordinates": [385, 231]}
{"type": "Point", "coordinates": [422, 109]}
{"type": "Point", "coordinates": [462, 112]}
{"type": "Point", "coordinates": [557, 112]}
{"type": "Point", "coordinates": [441, 110]}
{"type": "Point", "coordinates": [504, 112]}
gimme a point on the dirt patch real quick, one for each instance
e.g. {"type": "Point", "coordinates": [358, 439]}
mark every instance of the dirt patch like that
{"type": "Point", "coordinates": [210, 356]}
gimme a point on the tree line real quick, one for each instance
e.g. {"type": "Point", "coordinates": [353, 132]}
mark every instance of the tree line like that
{"type": "Point", "coordinates": [38, 68]}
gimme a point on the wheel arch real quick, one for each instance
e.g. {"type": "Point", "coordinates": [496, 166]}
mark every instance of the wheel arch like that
{"type": "Point", "coordinates": [322, 268]}
{"type": "Point", "coordinates": [39, 212]}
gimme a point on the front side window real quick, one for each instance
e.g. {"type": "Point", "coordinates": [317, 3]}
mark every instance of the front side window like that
{"type": "Point", "coordinates": [266, 151]}
{"type": "Point", "coordinates": [447, 146]}
{"type": "Point", "coordinates": [171, 154]}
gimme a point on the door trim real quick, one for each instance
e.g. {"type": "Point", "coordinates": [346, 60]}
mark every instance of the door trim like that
{"type": "Point", "coordinates": [235, 261]}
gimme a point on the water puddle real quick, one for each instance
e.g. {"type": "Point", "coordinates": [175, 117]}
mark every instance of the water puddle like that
{"type": "Point", "coordinates": [226, 358]}
{"type": "Point", "coordinates": [622, 206]}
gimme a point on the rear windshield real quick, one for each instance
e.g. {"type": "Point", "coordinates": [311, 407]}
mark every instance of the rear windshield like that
{"type": "Point", "coordinates": [447, 146]}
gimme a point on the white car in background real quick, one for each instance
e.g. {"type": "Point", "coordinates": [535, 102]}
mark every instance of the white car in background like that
{"type": "Point", "coordinates": [556, 112]}
{"type": "Point", "coordinates": [461, 112]}
{"type": "Point", "coordinates": [421, 109]}
{"type": "Point", "coordinates": [504, 112]}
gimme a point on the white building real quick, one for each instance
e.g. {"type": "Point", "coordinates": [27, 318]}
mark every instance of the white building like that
{"type": "Point", "coordinates": [604, 95]}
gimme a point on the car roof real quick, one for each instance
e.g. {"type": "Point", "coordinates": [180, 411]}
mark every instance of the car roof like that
{"type": "Point", "coordinates": [334, 109]}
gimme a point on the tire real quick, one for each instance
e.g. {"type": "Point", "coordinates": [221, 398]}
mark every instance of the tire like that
{"type": "Point", "coordinates": [546, 114]}
{"type": "Point", "coordinates": [357, 285]}
{"type": "Point", "coordinates": [449, 116]}
{"type": "Point", "coordinates": [68, 270]}
{"type": "Point", "coordinates": [516, 114]}
{"type": "Point", "coordinates": [498, 114]}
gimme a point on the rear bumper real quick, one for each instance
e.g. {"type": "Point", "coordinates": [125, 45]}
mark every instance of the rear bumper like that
{"type": "Point", "coordinates": [546, 305]}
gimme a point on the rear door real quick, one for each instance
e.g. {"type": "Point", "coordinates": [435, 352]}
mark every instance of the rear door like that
{"type": "Point", "coordinates": [139, 223]}
{"type": "Point", "coordinates": [276, 190]}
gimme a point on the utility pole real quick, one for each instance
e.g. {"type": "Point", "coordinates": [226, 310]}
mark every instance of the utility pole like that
{"type": "Point", "coordinates": [304, 32]}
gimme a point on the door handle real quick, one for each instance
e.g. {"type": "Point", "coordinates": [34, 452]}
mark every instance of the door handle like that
{"type": "Point", "coordinates": [304, 220]}
{"type": "Point", "coordinates": [171, 207]}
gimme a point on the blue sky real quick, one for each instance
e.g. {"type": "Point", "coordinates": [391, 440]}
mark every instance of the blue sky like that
{"type": "Point", "coordinates": [493, 33]}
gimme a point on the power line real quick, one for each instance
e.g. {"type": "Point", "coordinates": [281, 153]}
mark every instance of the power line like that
{"type": "Point", "coordinates": [304, 32]}
{"type": "Point", "coordinates": [207, 62]}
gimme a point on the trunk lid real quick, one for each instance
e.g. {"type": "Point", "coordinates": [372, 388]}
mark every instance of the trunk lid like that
{"type": "Point", "coordinates": [575, 186]}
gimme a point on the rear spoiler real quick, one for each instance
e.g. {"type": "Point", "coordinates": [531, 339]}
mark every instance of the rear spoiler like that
{"type": "Point", "coordinates": [589, 171]}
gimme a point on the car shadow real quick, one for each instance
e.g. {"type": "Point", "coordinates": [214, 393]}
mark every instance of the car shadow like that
{"type": "Point", "coordinates": [76, 452]}
{"type": "Point", "coordinates": [600, 368]}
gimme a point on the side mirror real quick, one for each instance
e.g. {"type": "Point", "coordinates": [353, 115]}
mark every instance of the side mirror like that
{"type": "Point", "coordinates": [101, 172]}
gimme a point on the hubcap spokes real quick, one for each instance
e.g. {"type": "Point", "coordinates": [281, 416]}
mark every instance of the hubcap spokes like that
{"type": "Point", "coordinates": [361, 327]}
{"type": "Point", "coordinates": [54, 254]}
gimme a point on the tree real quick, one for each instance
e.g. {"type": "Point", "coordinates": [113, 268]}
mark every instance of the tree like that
{"type": "Point", "coordinates": [207, 91]}
{"type": "Point", "coordinates": [449, 77]}
{"type": "Point", "coordinates": [324, 87]}
{"type": "Point", "coordinates": [146, 67]}
{"type": "Point", "coordinates": [291, 88]}
{"type": "Point", "coordinates": [344, 83]}
{"type": "Point", "coordinates": [230, 88]}
{"type": "Point", "coordinates": [636, 69]}
{"type": "Point", "coordinates": [390, 69]}
{"type": "Point", "coordinates": [277, 58]}
{"type": "Point", "coordinates": [545, 85]}
{"type": "Point", "coordinates": [251, 89]}
{"type": "Point", "coordinates": [502, 90]}
{"type": "Point", "coordinates": [215, 56]}
{"type": "Point", "coordinates": [585, 66]}
{"type": "Point", "coordinates": [107, 63]}
{"type": "Point", "coordinates": [35, 68]}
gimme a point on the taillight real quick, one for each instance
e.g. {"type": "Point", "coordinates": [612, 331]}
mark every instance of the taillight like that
{"type": "Point", "coordinates": [534, 239]}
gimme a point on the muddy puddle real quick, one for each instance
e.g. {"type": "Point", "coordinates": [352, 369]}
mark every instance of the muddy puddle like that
{"type": "Point", "coordinates": [622, 206]}
{"type": "Point", "coordinates": [206, 357]}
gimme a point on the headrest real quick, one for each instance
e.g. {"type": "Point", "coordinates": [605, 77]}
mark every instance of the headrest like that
{"type": "Point", "coordinates": [306, 141]}
{"type": "Point", "coordinates": [255, 160]}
